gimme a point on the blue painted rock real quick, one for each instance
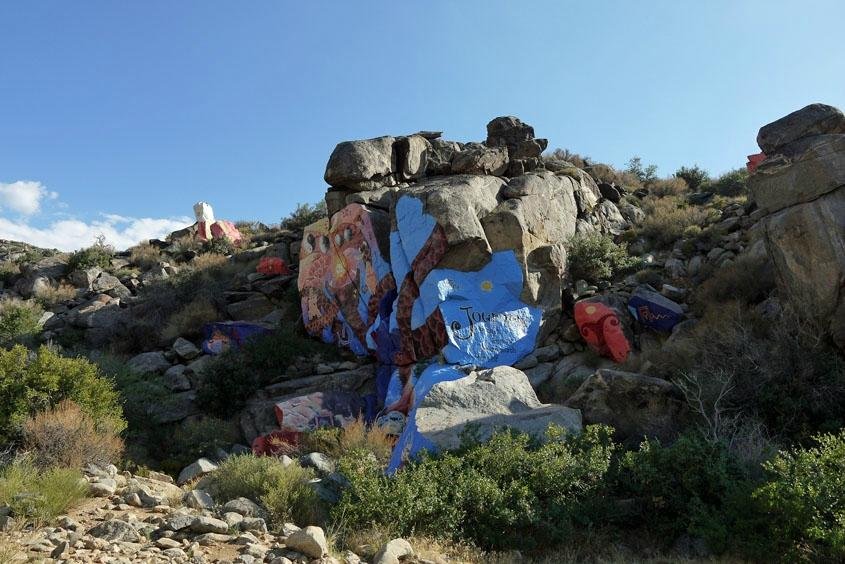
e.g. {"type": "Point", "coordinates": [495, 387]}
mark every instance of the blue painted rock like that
{"type": "Point", "coordinates": [447, 400]}
{"type": "Point", "coordinates": [654, 311]}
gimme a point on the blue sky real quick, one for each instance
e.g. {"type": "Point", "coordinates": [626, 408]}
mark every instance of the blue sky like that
{"type": "Point", "coordinates": [116, 117]}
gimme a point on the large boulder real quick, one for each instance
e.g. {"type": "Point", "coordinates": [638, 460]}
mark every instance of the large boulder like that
{"type": "Point", "coordinates": [807, 245]}
{"type": "Point", "coordinates": [476, 158]}
{"type": "Point", "coordinates": [447, 402]}
{"type": "Point", "coordinates": [635, 405]}
{"type": "Point", "coordinates": [815, 119]}
{"type": "Point", "coordinates": [812, 167]}
{"type": "Point", "coordinates": [362, 165]}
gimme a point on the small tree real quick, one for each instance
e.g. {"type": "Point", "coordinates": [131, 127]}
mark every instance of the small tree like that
{"type": "Point", "coordinates": [646, 174]}
{"type": "Point", "coordinates": [304, 215]}
{"type": "Point", "coordinates": [695, 176]}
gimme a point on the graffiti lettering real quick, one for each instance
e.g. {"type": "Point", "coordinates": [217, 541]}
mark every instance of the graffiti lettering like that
{"type": "Point", "coordinates": [648, 315]}
{"type": "Point", "coordinates": [474, 317]}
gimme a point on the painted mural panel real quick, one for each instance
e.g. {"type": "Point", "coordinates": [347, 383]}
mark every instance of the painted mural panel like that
{"type": "Point", "coordinates": [403, 309]}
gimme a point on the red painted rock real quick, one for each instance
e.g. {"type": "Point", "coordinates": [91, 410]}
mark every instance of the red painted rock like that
{"type": "Point", "coordinates": [602, 326]}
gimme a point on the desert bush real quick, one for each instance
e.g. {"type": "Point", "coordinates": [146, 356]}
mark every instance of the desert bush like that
{"type": "Point", "coordinates": [185, 296]}
{"type": "Point", "coordinates": [147, 442]}
{"type": "Point", "coordinates": [99, 254]}
{"type": "Point", "coordinates": [66, 436]}
{"type": "Point", "coordinates": [672, 186]}
{"type": "Point", "coordinates": [804, 499]}
{"type": "Point", "coordinates": [145, 256]}
{"type": "Point", "coordinates": [219, 246]}
{"type": "Point", "coordinates": [694, 176]}
{"type": "Point", "coordinates": [747, 279]}
{"type": "Point", "coordinates": [569, 156]}
{"type": "Point", "coordinates": [779, 371]}
{"type": "Point", "coordinates": [691, 487]}
{"type": "Point", "coordinates": [48, 296]}
{"type": "Point", "coordinates": [511, 483]}
{"type": "Point", "coordinates": [8, 271]}
{"type": "Point", "coordinates": [237, 374]}
{"type": "Point", "coordinates": [651, 276]}
{"type": "Point", "coordinates": [667, 218]}
{"type": "Point", "coordinates": [304, 215]}
{"type": "Point", "coordinates": [594, 257]}
{"type": "Point", "coordinates": [39, 495]}
{"type": "Point", "coordinates": [19, 321]}
{"type": "Point", "coordinates": [731, 183]}
{"type": "Point", "coordinates": [200, 438]}
{"type": "Point", "coordinates": [36, 381]}
{"type": "Point", "coordinates": [283, 490]}
{"type": "Point", "coordinates": [190, 318]}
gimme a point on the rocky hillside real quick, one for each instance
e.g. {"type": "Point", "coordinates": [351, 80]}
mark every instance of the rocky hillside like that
{"type": "Point", "coordinates": [449, 291]}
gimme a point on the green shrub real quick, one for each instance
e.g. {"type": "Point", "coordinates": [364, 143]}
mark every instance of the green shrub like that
{"type": "Point", "coordinates": [731, 183]}
{"type": "Point", "coordinates": [667, 218]}
{"type": "Point", "coordinates": [694, 176]}
{"type": "Point", "coordinates": [97, 255]}
{"type": "Point", "coordinates": [200, 438]}
{"type": "Point", "coordinates": [219, 246]}
{"type": "Point", "coordinates": [510, 484]}
{"type": "Point", "coordinates": [595, 257]}
{"type": "Point", "coordinates": [237, 374]}
{"type": "Point", "coordinates": [19, 321]}
{"type": "Point", "coordinates": [304, 215]}
{"type": "Point", "coordinates": [9, 270]}
{"type": "Point", "coordinates": [804, 499]}
{"type": "Point", "coordinates": [147, 442]}
{"type": "Point", "coordinates": [33, 382]}
{"type": "Point", "coordinates": [283, 490]}
{"type": "Point", "coordinates": [692, 487]}
{"type": "Point", "coordinates": [39, 496]}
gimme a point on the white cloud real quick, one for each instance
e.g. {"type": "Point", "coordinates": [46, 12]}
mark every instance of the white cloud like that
{"type": "Point", "coordinates": [24, 196]}
{"type": "Point", "coordinates": [64, 232]}
{"type": "Point", "coordinates": [72, 234]}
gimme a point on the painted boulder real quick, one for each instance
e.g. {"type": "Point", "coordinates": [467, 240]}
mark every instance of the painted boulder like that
{"type": "Point", "coordinates": [602, 324]}
{"type": "Point", "coordinates": [448, 401]}
{"type": "Point", "coordinates": [225, 335]}
{"type": "Point", "coordinates": [654, 310]}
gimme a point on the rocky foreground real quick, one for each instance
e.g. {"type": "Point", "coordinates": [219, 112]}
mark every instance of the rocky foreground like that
{"type": "Point", "coordinates": [134, 518]}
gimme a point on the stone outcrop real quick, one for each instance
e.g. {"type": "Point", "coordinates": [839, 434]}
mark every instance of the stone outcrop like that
{"type": "Point", "coordinates": [800, 190]}
{"type": "Point", "coordinates": [635, 405]}
{"type": "Point", "coordinates": [450, 403]}
{"type": "Point", "coordinates": [815, 119]}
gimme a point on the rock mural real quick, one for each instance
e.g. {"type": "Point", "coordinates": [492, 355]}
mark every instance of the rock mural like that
{"type": "Point", "coordinates": [441, 252]}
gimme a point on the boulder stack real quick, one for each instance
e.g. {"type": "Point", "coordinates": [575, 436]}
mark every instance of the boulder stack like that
{"type": "Point", "coordinates": [800, 188]}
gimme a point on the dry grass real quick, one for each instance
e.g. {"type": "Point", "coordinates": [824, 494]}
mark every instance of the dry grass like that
{"type": "Point", "coordinates": [336, 442]}
{"type": "Point", "coordinates": [667, 219]}
{"type": "Point", "coordinates": [672, 186]}
{"type": "Point", "coordinates": [208, 261]}
{"type": "Point", "coordinates": [65, 436]}
{"type": "Point", "coordinates": [49, 296]}
{"type": "Point", "coordinates": [145, 256]}
{"type": "Point", "coordinates": [190, 319]}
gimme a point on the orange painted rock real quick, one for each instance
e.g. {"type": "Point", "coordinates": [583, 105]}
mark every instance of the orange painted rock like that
{"type": "Point", "coordinates": [601, 326]}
